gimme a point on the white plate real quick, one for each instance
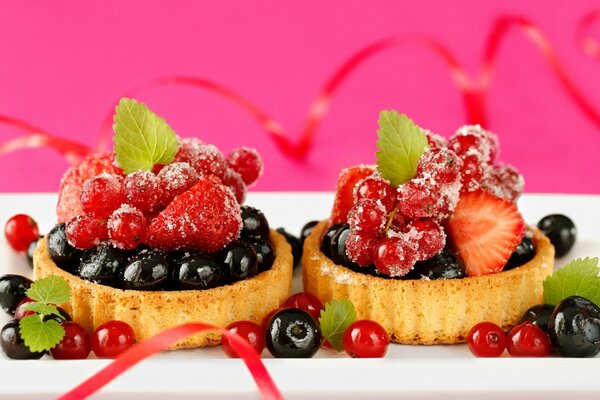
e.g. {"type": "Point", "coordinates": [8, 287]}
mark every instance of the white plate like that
{"type": "Point", "coordinates": [406, 372]}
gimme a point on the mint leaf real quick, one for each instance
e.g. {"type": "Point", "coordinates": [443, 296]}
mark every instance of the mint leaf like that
{"type": "Point", "coordinates": [401, 144]}
{"type": "Point", "coordinates": [577, 278]}
{"type": "Point", "coordinates": [337, 316]}
{"type": "Point", "coordinates": [52, 289]}
{"type": "Point", "coordinates": [142, 138]}
{"type": "Point", "coordinates": [42, 308]}
{"type": "Point", "coordinates": [40, 335]}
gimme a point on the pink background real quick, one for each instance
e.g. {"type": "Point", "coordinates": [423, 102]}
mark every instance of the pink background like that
{"type": "Point", "coordinates": [64, 64]}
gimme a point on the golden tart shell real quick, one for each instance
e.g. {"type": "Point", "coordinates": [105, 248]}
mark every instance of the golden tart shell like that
{"type": "Point", "coordinates": [430, 311]}
{"type": "Point", "coordinates": [149, 313]}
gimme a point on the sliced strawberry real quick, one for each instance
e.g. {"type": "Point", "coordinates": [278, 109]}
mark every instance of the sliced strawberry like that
{"type": "Point", "coordinates": [204, 218]}
{"type": "Point", "coordinates": [344, 196]}
{"type": "Point", "coordinates": [485, 230]}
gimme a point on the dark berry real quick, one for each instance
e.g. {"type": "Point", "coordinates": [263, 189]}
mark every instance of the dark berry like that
{"type": "Point", "coordinates": [20, 231]}
{"type": "Point", "coordinates": [528, 340]}
{"type": "Point", "coordinates": [198, 272]}
{"type": "Point", "coordinates": [307, 302]}
{"type": "Point", "coordinates": [366, 339]}
{"type": "Point", "coordinates": [524, 253]}
{"type": "Point", "coordinates": [20, 311]}
{"type": "Point", "coordinates": [62, 253]}
{"type": "Point", "coordinates": [539, 315]}
{"type": "Point", "coordinates": [292, 333]}
{"type": "Point", "coordinates": [486, 339]}
{"type": "Point", "coordinates": [560, 230]}
{"type": "Point", "coordinates": [248, 331]}
{"type": "Point", "coordinates": [31, 250]}
{"type": "Point", "coordinates": [444, 265]}
{"type": "Point", "coordinates": [574, 327]}
{"type": "Point", "coordinates": [239, 261]}
{"type": "Point", "coordinates": [102, 264]}
{"type": "Point", "coordinates": [112, 338]}
{"type": "Point", "coordinates": [295, 243]}
{"type": "Point", "coordinates": [64, 316]}
{"type": "Point", "coordinates": [149, 270]}
{"type": "Point", "coordinates": [307, 229]}
{"type": "Point", "coordinates": [255, 223]}
{"type": "Point", "coordinates": [75, 345]}
{"type": "Point", "coordinates": [328, 236]}
{"type": "Point", "coordinates": [338, 247]}
{"type": "Point", "coordinates": [13, 345]}
{"type": "Point", "coordinates": [264, 254]}
{"type": "Point", "coordinates": [12, 291]}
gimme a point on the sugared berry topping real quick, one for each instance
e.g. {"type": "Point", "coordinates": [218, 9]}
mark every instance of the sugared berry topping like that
{"type": "Point", "coordinates": [367, 217]}
{"type": "Point", "coordinates": [524, 253]}
{"type": "Point", "coordinates": [247, 330]}
{"type": "Point", "coordinates": [149, 270]}
{"type": "Point", "coordinates": [360, 248]}
{"type": "Point", "coordinates": [101, 195]}
{"type": "Point", "coordinates": [255, 224]}
{"type": "Point", "coordinates": [366, 339]}
{"type": "Point", "coordinates": [574, 327]}
{"type": "Point", "coordinates": [307, 302]}
{"type": "Point", "coordinates": [344, 196]}
{"type": "Point", "coordinates": [307, 230]}
{"type": "Point", "coordinates": [20, 312]}
{"type": "Point", "coordinates": [294, 242]}
{"type": "Point", "coordinates": [428, 237]}
{"type": "Point", "coordinates": [292, 333]}
{"type": "Point", "coordinates": [394, 256]}
{"type": "Point", "coordinates": [13, 345]}
{"type": "Point", "coordinates": [476, 140]}
{"type": "Point", "coordinates": [434, 140]}
{"type": "Point", "coordinates": [539, 315]}
{"type": "Point", "coordinates": [486, 339]}
{"type": "Point", "coordinates": [176, 178]}
{"type": "Point", "coordinates": [143, 190]}
{"type": "Point", "coordinates": [20, 230]}
{"type": "Point", "coordinates": [197, 272]}
{"type": "Point", "coordinates": [75, 345]}
{"type": "Point", "coordinates": [504, 181]}
{"type": "Point", "coordinates": [112, 338]}
{"type": "Point", "coordinates": [528, 340]}
{"type": "Point", "coordinates": [234, 182]}
{"type": "Point", "coordinates": [189, 150]}
{"type": "Point", "coordinates": [239, 261]}
{"type": "Point", "coordinates": [102, 264]}
{"type": "Point", "coordinates": [61, 251]}
{"type": "Point", "coordinates": [127, 227]}
{"type": "Point", "coordinates": [444, 265]}
{"type": "Point", "coordinates": [12, 291]}
{"type": "Point", "coordinates": [209, 161]}
{"type": "Point", "coordinates": [485, 230]}
{"type": "Point", "coordinates": [561, 231]}
{"type": "Point", "coordinates": [246, 162]}
{"type": "Point", "coordinates": [339, 255]}
{"type": "Point", "coordinates": [328, 237]}
{"type": "Point", "coordinates": [85, 231]}
{"type": "Point", "coordinates": [264, 254]}
{"type": "Point", "coordinates": [442, 165]}
{"type": "Point", "coordinates": [376, 188]}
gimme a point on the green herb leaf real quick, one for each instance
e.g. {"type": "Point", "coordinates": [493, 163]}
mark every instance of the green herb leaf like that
{"type": "Point", "coordinates": [401, 144]}
{"type": "Point", "coordinates": [40, 335]}
{"type": "Point", "coordinates": [337, 316]}
{"type": "Point", "coordinates": [42, 308]}
{"type": "Point", "coordinates": [142, 138]}
{"type": "Point", "coordinates": [577, 278]}
{"type": "Point", "coordinates": [52, 289]}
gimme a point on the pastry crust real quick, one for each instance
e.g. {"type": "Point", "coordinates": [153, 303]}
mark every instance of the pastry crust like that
{"type": "Point", "coordinates": [149, 313]}
{"type": "Point", "coordinates": [434, 311]}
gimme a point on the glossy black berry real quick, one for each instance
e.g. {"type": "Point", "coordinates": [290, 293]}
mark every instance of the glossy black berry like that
{"type": "Point", "coordinates": [307, 229]}
{"type": "Point", "coordinates": [338, 247]}
{"type": "Point", "coordinates": [254, 224]}
{"type": "Point", "coordinates": [524, 253]}
{"type": "Point", "coordinates": [539, 315]}
{"type": "Point", "coordinates": [31, 250]}
{"type": "Point", "coordinates": [292, 333]}
{"type": "Point", "coordinates": [444, 265]}
{"type": "Point", "coordinates": [13, 345]}
{"type": "Point", "coordinates": [149, 270]}
{"type": "Point", "coordinates": [12, 291]}
{"type": "Point", "coordinates": [574, 327]}
{"type": "Point", "coordinates": [295, 243]}
{"type": "Point", "coordinates": [197, 272]}
{"type": "Point", "coordinates": [264, 254]}
{"type": "Point", "coordinates": [239, 261]}
{"type": "Point", "coordinates": [560, 230]}
{"type": "Point", "coordinates": [328, 236]}
{"type": "Point", "coordinates": [102, 264]}
{"type": "Point", "coordinates": [62, 253]}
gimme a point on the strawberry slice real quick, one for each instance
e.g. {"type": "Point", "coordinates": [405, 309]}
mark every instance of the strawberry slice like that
{"type": "Point", "coordinates": [344, 196]}
{"type": "Point", "coordinates": [485, 230]}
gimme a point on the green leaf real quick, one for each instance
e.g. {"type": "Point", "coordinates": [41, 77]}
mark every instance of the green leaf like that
{"type": "Point", "coordinates": [42, 308]}
{"type": "Point", "coordinates": [142, 138]}
{"type": "Point", "coordinates": [337, 316]}
{"type": "Point", "coordinates": [577, 278]}
{"type": "Point", "coordinates": [52, 289]}
{"type": "Point", "coordinates": [39, 335]}
{"type": "Point", "coordinates": [401, 144]}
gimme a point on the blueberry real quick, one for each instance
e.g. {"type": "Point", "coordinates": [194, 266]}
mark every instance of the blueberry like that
{"type": "Point", "coordinates": [328, 236]}
{"type": "Point", "coordinates": [574, 327]}
{"type": "Point", "coordinates": [13, 345]}
{"type": "Point", "coordinates": [62, 253]}
{"type": "Point", "coordinates": [560, 230]}
{"type": "Point", "coordinates": [338, 247]}
{"type": "Point", "coordinates": [295, 243]}
{"type": "Point", "coordinates": [292, 333]}
{"type": "Point", "coordinates": [539, 315]}
{"type": "Point", "coordinates": [254, 224]}
{"type": "Point", "coordinates": [31, 250]}
{"type": "Point", "coordinates": [149, 270]}
{"type": "Point", "coordinates": [102, 264]}
{"type": "Point", "coordinates": [524, 253]}
{"type": "Point", "coordinates": [198, 272]}
{"type": "Point", "coordinates": [264, 254]}
{"type": "Point", "coordinates": [307, 229]}
{"type": "Point", "coordinates": [444, 265]}
{"type": "Point", "coordinates": [239, 261]}
{"type": "Point", "coordinates": [12, 291]}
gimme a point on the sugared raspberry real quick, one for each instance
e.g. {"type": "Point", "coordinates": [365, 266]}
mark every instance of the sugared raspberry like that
{"type": "Point", "coordinates": [234, 181]}
{"type": "Point", "coordinates": [434, 140]}
{"type": "Point", "coordinates": [376, 188]}
{"type": "Point", "coordinates": [505, 181]}
{"type": "Point", "coordinates": [440, 164]}
{"type": "Point", "coordinates": [394, 256]}
{"type": "Point", "coordinates": [427, 235]}
{"type": "Point", "coordinates": [367, 217]}
{"type": "Point", "coordinates": [142, 190]}
{"type": "Point", "coordinates": [85, 231]}
{"type": "Point", "coordinates": [246, 162]}
{"type": "Point", "coordinates": [101, 195]}
{"type": "Point", "coordinates": [475, 138]}
{"type": "Point", "coordinates": [126, 227]}
{"type": "Point", "coordinates": [210, 160]}
{"type": "Point", "coordinates": [175, 179]}
{"type": "Point", "coordinates": [360, 248]}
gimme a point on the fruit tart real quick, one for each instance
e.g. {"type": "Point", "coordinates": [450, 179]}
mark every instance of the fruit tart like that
{"type": "Point", "coordinates": [155, 234]}
{"type": "Point", "coordinates": [429, 241]}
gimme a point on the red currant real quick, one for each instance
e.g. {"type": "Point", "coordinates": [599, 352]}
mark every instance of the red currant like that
{"type": "Point", "coordinates": [234, 181]}
{"type": "Point", "coordinates": [486, 339]}
{"type": "Point", "coordinates": [175, 179]}
{"type": "Point", "coordinates": [441, 164]}
{"type": "Point", "coordinates": [20, 230]}
{"type": "Point", "coordinates": [209, 161]}
{"type": "Point", "coordinates": [394, 256]}
{"type": "Point", "coordinates": [85, 231]}
{"type": "Point", "coordinates": [307, 302]}
{"type": "Point", "coordinates": [367, 217]}
{"type": "Point", "coordinates": [434, 140]}
{"type": "Point", "coordinates": [528, 340]}
{"type": "Point", "coordinates": [246, 162]}
{"type": "Point", "coordinates": [420, 198]}
{"type": "Point", "coordinates": [142, 190]}
{"type": "Point", "coordinates": [366, 339]}
{"type": "Point", "coordinates": [360, 248]}
{"type": "Point", "coordinates": [112, 338]}
{"type": "Point", "coordinates": [75, 345]}
{"type": "Point", "coordinates": [126, 227]}
{"type": "Point", "coordinates": [101, 195]}
{"type": "Point", "coordinates": [428, 236]}
{"type": "Point", "coordinates": [247, 330]}
{"type": "Point", "coordinates": [20, 313]}
{"type": "Point", "coordinates": [189, 149]}
{"type": "Point", "coordinates": [376, 188]}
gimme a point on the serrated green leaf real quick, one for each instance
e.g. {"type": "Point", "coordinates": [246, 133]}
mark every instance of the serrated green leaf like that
{"type": "Point", "coordinates": [577, 278]}
{"type": "Point", "coordinates": [142, 138]}
{"type": "Point", "coordinates": [42, 308]}
{"type": "Point", "coordinates": [52, 289]}
{"type": "Point", "coordinates": [40, 335]}
{"type": "Point", "coordinates": [337, 316]}
{"type": "Point", "coordinates": [400, 146]}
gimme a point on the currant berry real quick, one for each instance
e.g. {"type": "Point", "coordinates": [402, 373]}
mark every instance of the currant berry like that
{"type": "Point", "coordinates": [441, 164]}
{"type": "Point", "coordinates": [473, 138]}
{"type": "Point", "coordinates": [394, 256]}
{"type": "Point", "coordinates": [360, 248]}
{"type": "Point", "coordinates": [246, 162]}
{"type": "Point", "coordinates": [486, 339]}
{"type": "Point", "coordinates": [175, 179]}
{"type": "Point", "coordinates": [366, 339]}
{"type": "Point", "coordinates": [12, 291]}
{"type": "Point", "coordinates": [31, 251]}
{"type": "Point", "coordinates": [102, 264]}
{"type": "Point", "coordinates": [20, 230]}
{"type": "Point", "coordinates": [247, 330]}
{"type": "Point", "coordinates": [292, 333]}
{"type": "Point", "coordinates": [376, 188]}
{"type": "Point", "coordinates": [528, 340]}
{"type": "Point", "coordinates": [434, 140]}
{"type": "Point", "coordinates": [209, 161]}
{"type": "Point", "coordinates": [234, 181]}
{"type": "Point", "coordinates": [574, 327]}
{"type": "Point", "coordinates": [126, 227]}
{"type": "Point", "coordinates": [561, 231]}
{"type": "Point", "coordinates": [428, 236]}
{"type": "Point", "coordinates": [255, 224]}
{"type": "Point", "coordinates": [307, 302]}
{"type": "Point", "coordinates": [112, 338]}
{"type": "Point", "coordinates": [13, 345]}
{"type": "Point", "coordinates": [75, 345]}
{"type": "Point", "coordinates": [539, 315]}
{"type": "Point", "coordinates": [420, 198]}
{"type": "Point", "coordinates": [143, 191]}
{"type": "Point", "coordinates": [330, 233]}
{"type": "Point", "coordinates": [85, 231]}
{"type": "Point", "coordinates": [62, 253]}
{"type": "Point", "coordinates": [367, 217]}
{"type": "Point", "coordinates": [101, 195]}
{"type": "Point", "coordinates": [20, 313]}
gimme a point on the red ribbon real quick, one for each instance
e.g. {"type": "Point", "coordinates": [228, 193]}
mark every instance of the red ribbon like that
{"type": "Point", "coordinates": [162, 341]}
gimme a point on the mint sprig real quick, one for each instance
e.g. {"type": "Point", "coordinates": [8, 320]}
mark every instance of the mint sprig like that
{"type": "Point", "coordinates": [142, 138]}
{"type": "Point", "coordinates": [337, 316]}
{"type": "Point", "coordinates": [577, 278]}
{"type": "Point", "coordinates": [400, 146]}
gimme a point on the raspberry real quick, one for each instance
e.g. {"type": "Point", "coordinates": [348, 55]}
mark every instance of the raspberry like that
{"type": "Point", "coordinates": [367, 217]}
{"type": "Point", "coordinates": [209, 160]}
{"type": "Point", "coordinates": [360, 248]}
{"type": "Point", "coordinates": [234, 181]}
{"type": "Point", "coordinates": [394, 256]}
{"type": "Point", "coordinates": [102, 195]}
{"type": "Point", "coordinates": [434, 140]}
{"type": "Point", "coordinates": [175, 179]}
{"type": "Point", "coordinates": [475, 138]}
{"type": "Point", "coordinates": [375, 187]}
{"type": "Point", "coordinates": [440, 164]}
{"type": "Point", "coordinates": [428, 236]}
{"type": "Point", "coordinates": [126, 227]}
{"type": "Point", "coordinates": [142, 190]}
{"type": "Point", "coordinates": [85, 231]}
{"type": "Point", "coordinates": [246, 162]}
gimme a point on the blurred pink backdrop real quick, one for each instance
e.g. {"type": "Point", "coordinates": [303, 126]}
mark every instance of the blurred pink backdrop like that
{"type": "Point", "coordinates": [63, 65]}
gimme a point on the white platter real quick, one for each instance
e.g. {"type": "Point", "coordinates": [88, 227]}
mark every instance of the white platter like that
{"type": "Point", "coordinates": [448, 372]}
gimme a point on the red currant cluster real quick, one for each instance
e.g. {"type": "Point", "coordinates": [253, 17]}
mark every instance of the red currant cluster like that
{"type": "Point", "coordinates": [487, 339]}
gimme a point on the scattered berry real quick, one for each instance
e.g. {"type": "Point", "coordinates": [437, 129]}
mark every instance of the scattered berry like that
{"type": "Point", "coordinates": [366, 339]}
{"type": "Point", "coordinates": [394, 256]}
{"type": "Point", "coordinates": [505, 181]}
{"type": "Point", "coordinates": [126, 227]}
{"type": "Point", "coordinates": [101, 195]}
{"type": "Point", "coordinates": [112, 338]}
{"type": "Point", "coordinates": [574, 327]}
{"type": "Point", "coordinates": [13, 345]}
{"type": "Point", "coordinates": [85, 231]}
{"type": "Point", "coordinates": [246, 162]}
{"type": "Point", "coordinates": [143, 191]}
{"type": "Point", "coordinates": [75, 345]}
{"type": "Point", "coordinates": [20, 230]}
{"type": "Point", "coordinates": [292, 333]}
{"type": "Point", "coordinates": [486, 339]}
{"type": "Point", "coordinates": [12, 291]}
{"type": "Point", "coordinates": [248, 331]}
{"type": "Point", "coordinates": [560, 230]}
{"type": "Point", "coordinates": [528, 340]}
{"type": "Point", "coordinates": [344, 196]}
{"type": "Point", "coordinates": [307, 302]}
